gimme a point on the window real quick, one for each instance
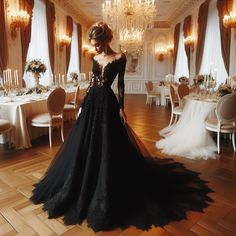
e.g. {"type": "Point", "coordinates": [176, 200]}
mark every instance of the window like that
{"type": "Point", "coordinates": [38, 47]}
{"type": "Point", "coordinates": [74, 56]}
{"type": "Point", "coordinates": [181, 68]}
{"type": "Point", "coordinates": [212, 61]}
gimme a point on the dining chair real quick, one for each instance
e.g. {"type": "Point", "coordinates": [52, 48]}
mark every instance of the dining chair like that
{"type": "Point", "coordinates": [152, 95]}
{"type": "Point", "coordinates": [225, 120]}
{"type": "Point", "coordinates": [182, 90]}
{"type": "Point", "coordinates": [6, 128]}
{"type": "Point", "coordinates": [176, 110]}
{"type": "Point", "coordinates": [73, 106]}
{"type": "Point", "coordinates": [54, 116]}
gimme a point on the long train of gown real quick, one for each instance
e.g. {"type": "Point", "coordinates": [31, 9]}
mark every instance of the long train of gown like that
{"type": "Point", "coordinates": [103, 173]}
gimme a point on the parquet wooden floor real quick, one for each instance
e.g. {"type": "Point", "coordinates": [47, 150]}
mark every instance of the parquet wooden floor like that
{"type": "Point", "coordinates": [20, 169]}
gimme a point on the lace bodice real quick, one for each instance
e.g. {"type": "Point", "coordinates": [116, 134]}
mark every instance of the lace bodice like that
{"type": "Point", "coordinates": [107, 74]}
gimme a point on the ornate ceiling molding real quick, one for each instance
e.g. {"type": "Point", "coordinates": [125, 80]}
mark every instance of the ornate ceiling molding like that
{"type": "Point", "coordinates": [72, 8]}
{"type": "Point", "coordinates": [182, 7]}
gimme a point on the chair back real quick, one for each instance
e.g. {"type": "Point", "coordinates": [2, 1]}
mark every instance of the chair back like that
{"type": "Point", "coordinates": [77, 97]}
{"type": "Point", "coordinates": [149, 86]}
{"type": "Point", "coordinates": [5, 126]}
{"type": "Point", "coordinates": [172, 95]}
{"type": "Point", "coordinates": [56, 101]}
{"type": "Point", "coordinates": [182, 90]}
{"type": "Point", "coordinates": [82, 94]}
{"type": "Point", "coordinates": [226, 108]}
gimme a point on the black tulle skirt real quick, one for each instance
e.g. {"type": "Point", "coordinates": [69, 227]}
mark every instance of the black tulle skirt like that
{"type": "Point", "coordinates": [103, 173]}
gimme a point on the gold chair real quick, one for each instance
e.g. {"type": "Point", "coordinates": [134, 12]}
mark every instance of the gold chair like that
{"type": "Point", "coordinates": [73, 106]}
{"type": "Point", "coordinates": [6, 128]}
{"type": "Point", "coordinates": [176, 111]}
{"type": "Point", "coordinates": [151, 94]}
{"type": "Point", "coordinates": [54, 117]}
{"type": "Point", "coordinates": [225, 120]}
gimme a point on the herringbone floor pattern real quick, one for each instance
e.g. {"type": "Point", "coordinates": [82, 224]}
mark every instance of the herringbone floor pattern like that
{"type": "Point", "coordinates": [19, 170]}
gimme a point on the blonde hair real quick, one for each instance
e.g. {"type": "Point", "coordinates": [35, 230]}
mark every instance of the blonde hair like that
{"type": "Point", "coordinates": [100, 31]}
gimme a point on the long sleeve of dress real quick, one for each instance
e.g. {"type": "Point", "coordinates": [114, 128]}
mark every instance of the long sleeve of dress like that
{"type": "Point", "coordinates": [121, 84]}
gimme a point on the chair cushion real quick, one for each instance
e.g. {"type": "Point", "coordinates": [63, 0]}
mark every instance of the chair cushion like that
{"type": "Point", "coordinates": [213, 122]}
{"type": "Point", "coordinates": [178, 110]}
{"type": "Point", "coordinates": [4, 125]}
{"type": "Point", "coordinates": [72, 101]}
{"type": "Point", "coordinates": [45, 119]}
{"type": "Point", "coordinates": [68, 107]}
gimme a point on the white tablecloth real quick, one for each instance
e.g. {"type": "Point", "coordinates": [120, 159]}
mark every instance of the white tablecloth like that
{"type": "Point", "coordinates": [19, 110]}
{"type": "Point", "coordinates": [163, 90]}
{"type": "Point", "coordinates": [188, 137]}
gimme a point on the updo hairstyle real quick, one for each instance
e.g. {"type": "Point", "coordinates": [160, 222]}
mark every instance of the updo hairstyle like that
{"type": "Point", "coordinates": [101, 32]}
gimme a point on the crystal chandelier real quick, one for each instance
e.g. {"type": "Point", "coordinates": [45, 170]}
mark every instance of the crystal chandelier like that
{"type": "Point", "coordinates": [130, 19]}
{"type": "Point", "coordinates": [131, 40]}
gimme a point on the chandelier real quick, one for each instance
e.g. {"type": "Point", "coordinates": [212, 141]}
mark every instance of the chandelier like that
{"type": "Point", "coordinates": [130, 19]}
{"type": "Point", "coordinates": [131, 39]}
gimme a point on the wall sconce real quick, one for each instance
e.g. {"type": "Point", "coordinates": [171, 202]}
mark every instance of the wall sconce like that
{"type": "Point", "coordinates": [64, 41]}
{"type": "Point", "coordinates": [161, 52]}
{"type": "Point", "coordinates": [19, 19]}
{"type": "Point", "coordinates": [88, 48]}
{"type": "Point", "coordinates": [85, 48]}
{"type": "Point", "coordinates": [189, 41]}
{"type": "Point", "coordinates": [229, 20]}
{"type": "Point", "coordinates": [170, 49]}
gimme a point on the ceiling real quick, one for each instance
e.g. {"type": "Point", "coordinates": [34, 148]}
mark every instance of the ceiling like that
{"type": "Point", "coordinates": [90, 11]}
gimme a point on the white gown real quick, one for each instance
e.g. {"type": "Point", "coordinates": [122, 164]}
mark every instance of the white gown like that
{"type": "Point", "coordinates": [188, 137]}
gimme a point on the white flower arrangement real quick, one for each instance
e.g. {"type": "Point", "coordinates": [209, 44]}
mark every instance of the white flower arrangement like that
{"type": "Point", "coordinates": [74, 76]}
{"type": "Point", "coordinates": [35, 66]}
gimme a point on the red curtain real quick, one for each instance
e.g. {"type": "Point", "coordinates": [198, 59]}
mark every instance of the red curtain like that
{"type": "Point", "coordinates": [187, 28]}
{"type": "Point", "coordinates": [79, 29]}
{"type": "Point", "coordinates": [3, 40]}
{"type": "Point", "coordinates": [176, 44]}
{"type": "Point", "coordinates": [28, 6]}
{"type": "Point", "coordinates": [224, 7]}
{"type": "Point", "coordinates": [51, 19]}
{"type": "Point", "coordinates": [202, 23]}
{"type": "Point", "coordinates": [69, 30]}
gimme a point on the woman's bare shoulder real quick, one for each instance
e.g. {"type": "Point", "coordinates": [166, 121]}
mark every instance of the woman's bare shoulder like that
{"type": "Point", "coordinates": [96, 57]}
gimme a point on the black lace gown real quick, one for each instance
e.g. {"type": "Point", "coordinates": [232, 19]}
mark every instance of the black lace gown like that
{"type": "Point", "coordinates": [103, 173]}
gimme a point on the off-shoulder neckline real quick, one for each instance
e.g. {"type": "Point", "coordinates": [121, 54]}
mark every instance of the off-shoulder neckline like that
{"type": "Point", "coordinates": [110, 62]}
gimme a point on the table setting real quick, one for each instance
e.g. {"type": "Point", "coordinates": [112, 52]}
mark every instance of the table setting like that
{"type": "Point", "coordinates": [188, 137]}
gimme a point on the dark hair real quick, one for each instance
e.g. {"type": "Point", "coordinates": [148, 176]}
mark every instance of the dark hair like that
{"type": "Point", "coordinates": [100, 31]}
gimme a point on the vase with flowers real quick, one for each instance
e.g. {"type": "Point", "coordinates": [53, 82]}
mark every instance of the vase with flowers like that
{"type": "Point", "coordinates": [74, 76]}
{"type": "Point", "coordinates": [224, 89]}
{"type": "Point", "coordinates": [36, 67]}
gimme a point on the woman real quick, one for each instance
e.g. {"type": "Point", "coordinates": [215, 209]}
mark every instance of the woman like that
{"type": "Point", "coordinates": [103, 173]}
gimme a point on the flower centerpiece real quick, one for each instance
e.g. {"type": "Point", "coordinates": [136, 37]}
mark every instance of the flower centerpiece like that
{"type": "Point", "coordinates": [183, 80]}
{"type": "Point", "coordinates": [36, 67]}
{"type": "Point", "coordinates": [74, 76]}
{"type": "Point", "coordinates": [224, 89]}
{"type": "Point", "coordinates": [162, 83]}
{"type": "Point", "coordinates": [199, 80]}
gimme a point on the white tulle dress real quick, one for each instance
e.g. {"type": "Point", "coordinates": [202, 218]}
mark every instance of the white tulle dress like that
{"type": "Point", "coordinates": [188, 137]}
